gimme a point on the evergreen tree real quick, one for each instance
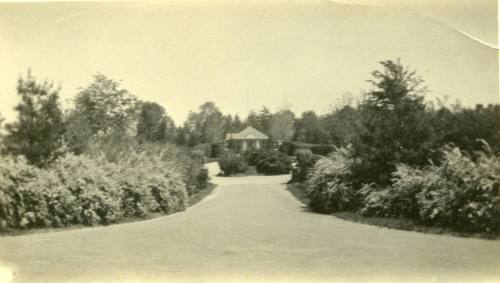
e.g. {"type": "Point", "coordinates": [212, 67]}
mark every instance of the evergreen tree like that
{"type": "Point", "coordinates": [394, 128]}
{"type": "Point", "coordinates": [37, 133]}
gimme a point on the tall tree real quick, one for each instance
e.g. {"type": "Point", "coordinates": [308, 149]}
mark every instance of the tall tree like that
{"type": "Point", "coordinates": [282, 126]}
{"type": "Point", "coordinates": [205, 126]}
{"type": "Point", "coordinates": [154, 125]}
{"type": "Point", "coordinates": [253, 120]}
{"type": "Point", "coordinates": [260, 121]}
{"type": "Point", "coordinates": [102, 110]}
{"type": "Point", "coordinates": [341, 126]}
{"type": "Point", "coordinates": [234, 125]}
{"type": "Point", "coordinates": [37, 133]}
{"type": "Point", "coordinates": [394, 127]}
{"type": "Point", "coordinates": [308, 129]}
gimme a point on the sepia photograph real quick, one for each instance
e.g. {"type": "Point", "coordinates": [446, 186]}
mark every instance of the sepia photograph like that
{"type": "Point", "coordinates": [249, 141]}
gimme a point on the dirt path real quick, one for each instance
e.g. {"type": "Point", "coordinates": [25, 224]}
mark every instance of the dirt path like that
{"type": "Point", "coordinates": [249, 230]}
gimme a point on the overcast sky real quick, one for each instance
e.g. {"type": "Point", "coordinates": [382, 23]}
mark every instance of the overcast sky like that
{"type": "Point", "coordinates": [251, 53]}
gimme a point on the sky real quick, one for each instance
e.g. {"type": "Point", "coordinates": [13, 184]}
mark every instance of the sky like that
{"type": "Point", "coordinates": [243, 55]}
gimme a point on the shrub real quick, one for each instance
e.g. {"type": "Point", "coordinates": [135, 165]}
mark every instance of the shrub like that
{"type": "Point", "coordinates": [304, 163]}
{"type": "Point", "coordinates": [253, 156]}
{"type": "Point", "coordinates": [399, 200]}
{"type": "Point", "coordinates": [230, 163]}
{"type": "Point", "coordinates": [91, 190]}
{"type": "Point", "coordinates": [462, 193]}
{"type": "Point", "coordinates": [287, 147]}
{"type": "Point", "coordinates": [273, 162]}
{"type": "Point", "coordinates": [94, 185]}
{"type": "Point", "coordinates": [293, 148]}
{"type": "Point", "coordinates": [459, 193]}
{"type": "Point", "coordinates": [330, 188]}
{"type": "Point", "coordinates": [14, 172]}
{"type": "Point", "coordinates": [46, 203]}
{"type": "Point", "coordinates": [322, 149]}
{"type": "Point", "coordinates": [216, 149]}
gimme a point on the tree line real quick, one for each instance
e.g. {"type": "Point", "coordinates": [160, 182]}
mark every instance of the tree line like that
{"type": "Point", "coordinates": [391, 123]}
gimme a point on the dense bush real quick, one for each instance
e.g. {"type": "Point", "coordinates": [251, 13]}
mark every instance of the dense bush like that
{"type": "Point", "coordinates": [231, 163]}
{"type": "Point", "coordinates": [273, 162]}
{"type": "Point", "coordinates": [150, 184]}
{"type": "Point", "coordinates": [330, 188]}
{"type": "Point", "coordinates": [467, 194]}
{"type": "Point", "coordinates": [293, 148]}
{"type": "Point", "coordinates": [305, 161]}
{"type": "Point", "coordinates": [322, 149]}
{"type": "Point", "coordinates": [253, 156]}
{"type": "Point", "coordinates": [459, 193]}
{"type": "Point", "coordinates": [14, 172]}
{"type": "Point", "coordinates": [90, 190]}
{"type": "Point", "coordinates": [400, 200]}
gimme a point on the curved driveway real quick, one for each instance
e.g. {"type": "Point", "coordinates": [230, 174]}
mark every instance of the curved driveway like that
{"type": "Point", "coordinates": [250, 229]}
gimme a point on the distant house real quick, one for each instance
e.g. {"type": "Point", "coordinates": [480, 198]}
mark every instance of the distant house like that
{"type": "Point", "coordinates": [247, 139]}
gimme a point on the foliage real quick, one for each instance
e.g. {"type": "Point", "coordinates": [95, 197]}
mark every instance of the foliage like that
{"type": "Point", "coordinates": [37, 133]}
{"type": "Point", "coordinates": [394, 128]}
{"type": "Point", "coordinates": [233, 125]}
{"type": "Point", "coordinates": [292, 148]}
{"type": "Point", "coordinates": [91, 190]}
{"type": "Point", "coordinates": [216, 149]}
{"type": "Point", "coordinates": [154, 125]}
{"type": "Point", "coordinates": [330, 188]}
{"type": "Point", "coordinates": [14, 172]}
{"type": "Point", "coordinates": [282, 126]}
{"type": "Point", "coordinates": [303, 165]}
{"type": "Point", "coordinates": [102, 110]}
{"type": "Point", "coordinates": [205, 126]}
{"type": "Point", "coordinates": [231, 163]}
{"type": "Point", "coordinates": [151, 182]}
{"type": "Point", "coordinates": [459, 193]}
{"type": "Point", "coordinates": [272, 162]}
{"type": "Point", "coordinates": [261, 120]}
{"type": "Point", "coordinates": [463, 127]}
{"type": "Point", "coordinates": [341, 126]}
{"type": "Point", "coordinates": [308, 129]}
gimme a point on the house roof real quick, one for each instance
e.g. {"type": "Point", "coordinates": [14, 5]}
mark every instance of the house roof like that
{"type": "Point", "coordinates": [249, 133]}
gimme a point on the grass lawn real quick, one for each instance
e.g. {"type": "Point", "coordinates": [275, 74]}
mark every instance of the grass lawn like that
{"type": "Point", "coordinates": [298, 190]}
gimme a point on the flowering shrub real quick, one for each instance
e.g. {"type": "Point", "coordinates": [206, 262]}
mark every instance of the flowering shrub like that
{"type": "Point", "coordinates": [329, 187]}
{"type": "Point", "coordinates": [466, 195]}
{"type": "Point", "coordinates": [14, 172]}
{"type": "Point", "coordinates": [460, 193]}
{"type": "Point", "coordinates": [91, 190]}
{"type": "Point", "coordinates": [151, 183]}
{"type": "Point", "coordinates": [399, 200]}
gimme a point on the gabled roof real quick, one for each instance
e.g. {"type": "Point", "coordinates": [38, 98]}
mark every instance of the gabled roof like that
{"type": "Point", "coordinates": [249, 133]}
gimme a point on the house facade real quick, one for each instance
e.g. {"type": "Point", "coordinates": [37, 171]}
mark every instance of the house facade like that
{"type": "Point", "coordinates": [249, 138]}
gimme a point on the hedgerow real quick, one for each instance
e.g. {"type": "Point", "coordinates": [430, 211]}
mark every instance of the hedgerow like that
{"type": "Point", "coordinates": [91, 190]}
{"type": "Point", "coordinates": [462, 193]}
